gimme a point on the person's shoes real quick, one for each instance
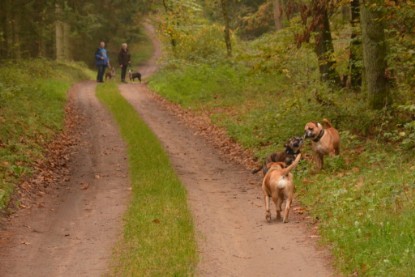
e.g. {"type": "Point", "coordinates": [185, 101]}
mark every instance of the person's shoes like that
{"type": "Point", "coordinates": [124, 81]}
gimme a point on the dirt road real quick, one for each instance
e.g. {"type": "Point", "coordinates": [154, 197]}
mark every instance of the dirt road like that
{"type": "Point", "coordinates": [79, 221]}
{"type": "Point", "coordinates": [226, 201]}
{"type": "Point", "coordinates": [70, 229]}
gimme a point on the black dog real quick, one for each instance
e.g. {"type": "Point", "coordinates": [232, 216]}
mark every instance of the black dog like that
{"type": "Point", "coordinates": [134, 75]}
{"type": "Point", "coordinates": [292, 149]}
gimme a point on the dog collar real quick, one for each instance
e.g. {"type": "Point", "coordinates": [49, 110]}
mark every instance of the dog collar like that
{"type": "Point", "coordinates": [320, 135]}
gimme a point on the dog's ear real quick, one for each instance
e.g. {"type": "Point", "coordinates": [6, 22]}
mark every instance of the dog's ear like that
{"type": "Point", "coordinates": [319, 125]}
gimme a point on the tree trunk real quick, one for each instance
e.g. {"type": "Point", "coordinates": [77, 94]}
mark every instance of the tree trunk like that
{"type": "Point", "coordinates": [7, 18]}
{"type": "Point", "coordinates": [226, 19]}
{"type": "Point", "coordinates": [41, 45]}
{"type": "Point", "coordinates": [3, 21]}
{"type": "Point", "coordinates": [59, 34]}
{"type": "Point", "coordinates": [324, 44]}
{"type": "Point", "coordinates": [355, 56]}
{"type": "Point", "coordinates": [59, 41]}
{"type": "Point", "coordinates": [277, 5]}
{"type": "Point", "coordinates": [345, 10]}
{"type": "Point", "coordinates": [66, 41]}
{"type": "Point", "coordinates": [62, 31]}
{"type": "Point", "coordinates": [172, 39]}
{"type": "Point", "coordinates": [16, 46]}
{"type": "Point", "coordinates": [374, 57]}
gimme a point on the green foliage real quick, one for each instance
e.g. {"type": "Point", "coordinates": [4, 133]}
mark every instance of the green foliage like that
{"type": "Point", "coordinates": [366, 211]}
{"type": "Point", "coordinates": [32, 100]}
{"type": "Point", "coordinates": [363, 199]}
{"type": "Point", "coordinates": [140, 51]}
{"type": "Point", "coordinates": [28, 30]}
{"type": "Point", "coordinates": [201, 43]}
{"type": "Point", "coordinates": [249, 18]}
{"type": "Point", "coordinates": [158, 238]}
{"type": "Point", "coordinates": [263, 95]}
{"type": "Point", "coordinates": [193, 37]}
{"type": "Point", "coordinates": [402, 132]}
{"type": "Point", "coordinates": [198, 85]}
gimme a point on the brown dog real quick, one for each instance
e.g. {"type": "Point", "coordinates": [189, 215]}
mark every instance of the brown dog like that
{"type": "Point", "coordinates": [110, 73]}
{"type": "Point", "coordinates": [325, 140]}
{"type": "Point", "coordinates": [292, 149]}
{"type": "Point", "coordinates": [278, 184]}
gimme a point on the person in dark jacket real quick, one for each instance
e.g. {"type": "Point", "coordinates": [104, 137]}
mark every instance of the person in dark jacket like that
{"type": "Point", "coordinates": [124, 59]}
{"type": "Point", "coordinates": [101, 61]}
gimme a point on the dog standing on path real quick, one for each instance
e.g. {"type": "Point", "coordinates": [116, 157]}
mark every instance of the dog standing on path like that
{"type": "Point", "coordinates": [278, 184]}
{"type": "Point", "coordinates": [134, 75]}
{"type": "Point", "coordinates": [110, 73]}
{"type": "Point", "coordinates": [325, 140]}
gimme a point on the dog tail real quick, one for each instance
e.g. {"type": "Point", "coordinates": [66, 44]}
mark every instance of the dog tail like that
{"type": "Point", "coordinates": [327, 123]}
{"type": "Point", "coordinates": [292, 166]}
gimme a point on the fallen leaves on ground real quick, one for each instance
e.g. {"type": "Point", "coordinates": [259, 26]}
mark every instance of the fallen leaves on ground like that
{"type": "Point", "coordinates": [203, 126]}
{"type": "Point", "coordinates": [50, 171]}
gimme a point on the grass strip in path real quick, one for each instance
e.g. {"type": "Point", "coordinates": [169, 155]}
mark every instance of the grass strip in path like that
{"type": "Point", "coordinates": [159, 235]}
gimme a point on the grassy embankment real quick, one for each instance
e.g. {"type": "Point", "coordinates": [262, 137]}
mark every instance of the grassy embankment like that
{"type": "Point", "coordinates": [363, 200]}
{"type": "Point", "coordinates": [158, 230]}
{"type": "Point", "coordinates": [33, 95]}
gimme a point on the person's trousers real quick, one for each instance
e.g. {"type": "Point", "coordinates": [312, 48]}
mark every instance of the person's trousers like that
{"type": "Point", "coordinates": [123, 72]}
{"type": "Point", "coordinates": [101, 71]}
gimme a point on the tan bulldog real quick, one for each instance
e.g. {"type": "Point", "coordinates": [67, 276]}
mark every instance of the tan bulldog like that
{"type": "Point", "coordinates": [325, 140]}
{"type": "Point", "coordinates": [278, 184]}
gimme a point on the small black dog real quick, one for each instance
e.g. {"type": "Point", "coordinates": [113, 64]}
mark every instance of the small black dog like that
{"type": "Point", "coordinates": [292, 149]}
{"type": "Point", "coordinates": [134, 75]}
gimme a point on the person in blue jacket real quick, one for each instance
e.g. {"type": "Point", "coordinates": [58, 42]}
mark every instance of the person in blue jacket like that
{"type": "Point", "coordinates": [101, 61]}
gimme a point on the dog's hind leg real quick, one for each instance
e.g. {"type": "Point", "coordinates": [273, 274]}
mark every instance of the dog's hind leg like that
{"type": "Point", "coordinates": [267, 210]}
{"type": "Point", "coordinates": [337, 149]}
{"type": "Point", "coordinates": [278, 203]}
{"type": "Point", "coordinates": [287, 209]}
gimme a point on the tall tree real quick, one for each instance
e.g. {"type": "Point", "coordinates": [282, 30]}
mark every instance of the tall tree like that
{"type": "Point", "coordinates": [225, 13]}
{"type": "Point", "coordinates": [32, 28]}
{"type": "Point", "coordinates": [278, 8]}
{"type": "Point", "coordinates": [173, 42]}
{"type": "Point", "coordinates": [355, 61]}
{"type": "Point", "coordinates": [324, 43]}
{"type": "Point", "coordinates": [6, 29]}
{"type": "Point", "coordinates": [59, 34]}
{"type": "Point", "coordinates": [374, 56]}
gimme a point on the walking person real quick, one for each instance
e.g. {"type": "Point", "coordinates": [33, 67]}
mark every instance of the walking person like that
{"type": "Point", "coordinates": [101, 61]}
{"type": "Point", "coordinates": [124, 59]}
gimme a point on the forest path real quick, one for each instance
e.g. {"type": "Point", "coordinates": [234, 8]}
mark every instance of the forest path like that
{"type": "Point", "coordinates": [226, 201]}
{"type": "Point", "coordinates": [72, 226]}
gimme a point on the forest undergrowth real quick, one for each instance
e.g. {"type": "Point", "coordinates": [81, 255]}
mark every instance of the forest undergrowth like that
{"type": "Point", "coordinates": [363, 200]}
